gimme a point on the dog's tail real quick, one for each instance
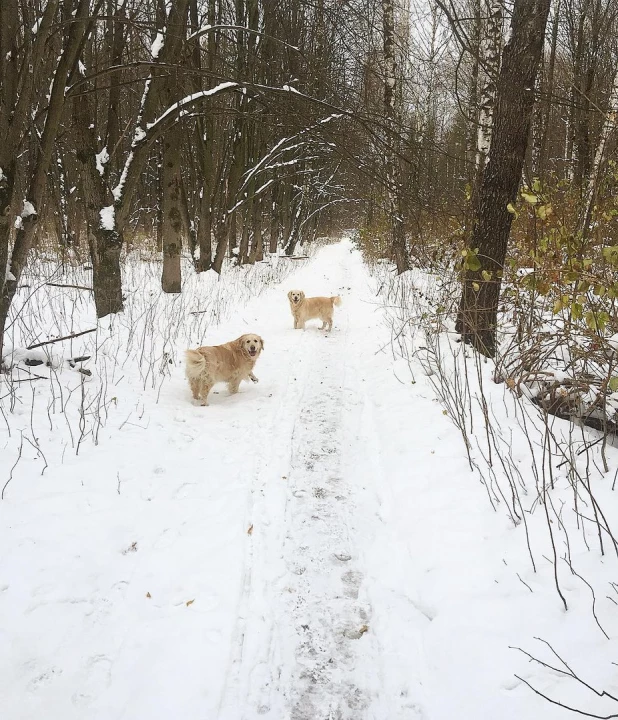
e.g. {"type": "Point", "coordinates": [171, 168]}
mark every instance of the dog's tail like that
{"type": "Point", "coordinates": [195, 363]}
{"type": "Point", "coordinates": [336, 301]}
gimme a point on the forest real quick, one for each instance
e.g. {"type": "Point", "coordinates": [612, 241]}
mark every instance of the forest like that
{"type": "Point", "coordinates": [169, 167]}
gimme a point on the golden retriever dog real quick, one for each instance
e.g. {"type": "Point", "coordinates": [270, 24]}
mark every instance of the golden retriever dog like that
{"type": "Point", "coordinates": [304, 308]}
{"type": "Point", "coordinates": [230, 363]}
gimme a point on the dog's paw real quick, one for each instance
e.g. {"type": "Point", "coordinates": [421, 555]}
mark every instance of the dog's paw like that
{"type": "Point", "coordinates": [253, 378]}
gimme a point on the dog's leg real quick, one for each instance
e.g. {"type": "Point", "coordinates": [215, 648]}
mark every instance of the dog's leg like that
{"type": "Point", "coordinates": [204, 390]}
{"type": "Point", "coordinates": [233, 386]}
{"type": "Point", "coordinates": [252, 377]}
{"type": "Point", "coordinates": [195, 387]}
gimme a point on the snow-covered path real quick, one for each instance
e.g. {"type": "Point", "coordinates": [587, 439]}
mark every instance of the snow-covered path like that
{"type": "Point", "coordinates": [313, 548]}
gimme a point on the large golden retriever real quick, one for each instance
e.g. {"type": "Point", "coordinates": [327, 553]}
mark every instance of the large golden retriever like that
{"type": "Point", "coordinates": [304, 308]}
{"type": "Point", "coordinates": [231, 362]}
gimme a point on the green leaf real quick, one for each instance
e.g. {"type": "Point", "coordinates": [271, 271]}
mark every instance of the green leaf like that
{"type": "Point", "coordinates": [610, 254]}
{"type": "Point", "coordinates": [511, 209]}
{"type": "Point", "coordinates": [613, 383]}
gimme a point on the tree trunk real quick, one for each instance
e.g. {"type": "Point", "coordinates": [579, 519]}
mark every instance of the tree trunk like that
{"type": "Point", "coordinates": [14, 109]}
{"type": "Point", "coordinates": [593, 182]}
{"type": "Point", "coordinates": [172, 212]}
{"type": "Point", "coordinates": [549, 91]}
{"type": "Point", "coordinates": [491, 45]}
{"type": "Point", "coordinates": [393, 163]}
{"type": "Point", "coordinates": [273, 240]}
{"type": "Point", "coordinates": [478, 309]}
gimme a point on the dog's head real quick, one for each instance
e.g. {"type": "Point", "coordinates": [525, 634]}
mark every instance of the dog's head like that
{"type": "Point", "coordinates": [251, 345]}
{"type": "Point", "coordinates": [296, 297]}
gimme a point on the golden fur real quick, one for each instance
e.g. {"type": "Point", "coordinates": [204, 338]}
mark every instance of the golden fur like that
{"type": "Point", "coordinates": [304, 308]}
{"type": "Point", "coordinates": [231, 362]}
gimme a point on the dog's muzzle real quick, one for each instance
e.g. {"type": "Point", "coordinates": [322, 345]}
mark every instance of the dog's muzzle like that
{"type": "Point", "coordinates": [252, 351]}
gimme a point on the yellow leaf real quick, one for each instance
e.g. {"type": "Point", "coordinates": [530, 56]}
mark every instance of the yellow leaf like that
{"type": "Point", "coordinates": [190, 602]}
{"type": "Point", "coordinates": [476, 286]}
{"type": "Point", "coordinates": [544, 211]}
{"type": "Point", "coordinates": [363, 629]}
{"type": "Point", "coordinates": [250, 530]}
{"type": "Point", "coordinates": [529, 197]}
{"type": "Point", "coordinates": [148, 595]}
{"type": "Point", "coordinates": [511, 209]}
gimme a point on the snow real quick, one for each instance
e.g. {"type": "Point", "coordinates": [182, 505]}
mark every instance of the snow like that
{"type": "Point", "coordinates": [190, 99]}
{"type": "Point", "coordinates": [138, 136]}
{"type": "Point", "coordinates": [108, 217]}
{"type": "Point", "coordinates": [102, 158]}
{"type": "Point", "coordinates": [316, 546]}
{"type": "Point", "coordinates": [118, 189]}
{"type": "Point", "coordinates": [157, 45]}
{"type": "Point", "coordinates": [204, 29]}
{"type": "Point", "coordinates": [28, 209]}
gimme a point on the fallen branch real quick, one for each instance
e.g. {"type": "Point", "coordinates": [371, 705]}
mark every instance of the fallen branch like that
{"type": "Point", "coordinates": [55, 340]}
{"type": "Point", "coordinates": [76, 287]}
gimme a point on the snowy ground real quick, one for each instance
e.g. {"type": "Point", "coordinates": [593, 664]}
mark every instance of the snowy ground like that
{"type": "Point", "coordinates": [313, 548]}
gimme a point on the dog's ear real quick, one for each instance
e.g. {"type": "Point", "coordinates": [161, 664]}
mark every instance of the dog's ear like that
{"type": "Point", "coordinates": [262, 343]}
{"type": "Point", "coordinates": [302, 294]}
{"type": "Point", "coordinates": [290, 296]}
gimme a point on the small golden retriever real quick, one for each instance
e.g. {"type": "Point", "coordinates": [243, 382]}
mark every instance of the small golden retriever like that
{"type": "Point", "coordinates": [304, 308]}
{"type": "Point", "coordinates": [231, 362]}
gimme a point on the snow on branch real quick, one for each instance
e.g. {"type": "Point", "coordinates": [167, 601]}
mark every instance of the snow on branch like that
{"type": "Point", "coordinates": [189, 100]}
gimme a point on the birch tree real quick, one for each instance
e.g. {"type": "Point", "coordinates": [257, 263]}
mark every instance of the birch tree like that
{"type": "Point", "coordinates": [393, 168]}
{"type": "Point", "coordinates": [489, 66]}
{"type": "Point", "coordinates": [486, 253]}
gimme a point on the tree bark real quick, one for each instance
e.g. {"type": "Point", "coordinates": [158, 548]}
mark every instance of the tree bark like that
{"type": "Point", "coordinates": [477, 318]}
{"type": "Point", "coordinates": [393, 163]}
{"type": "Point", "coordinates": [172, 213]}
